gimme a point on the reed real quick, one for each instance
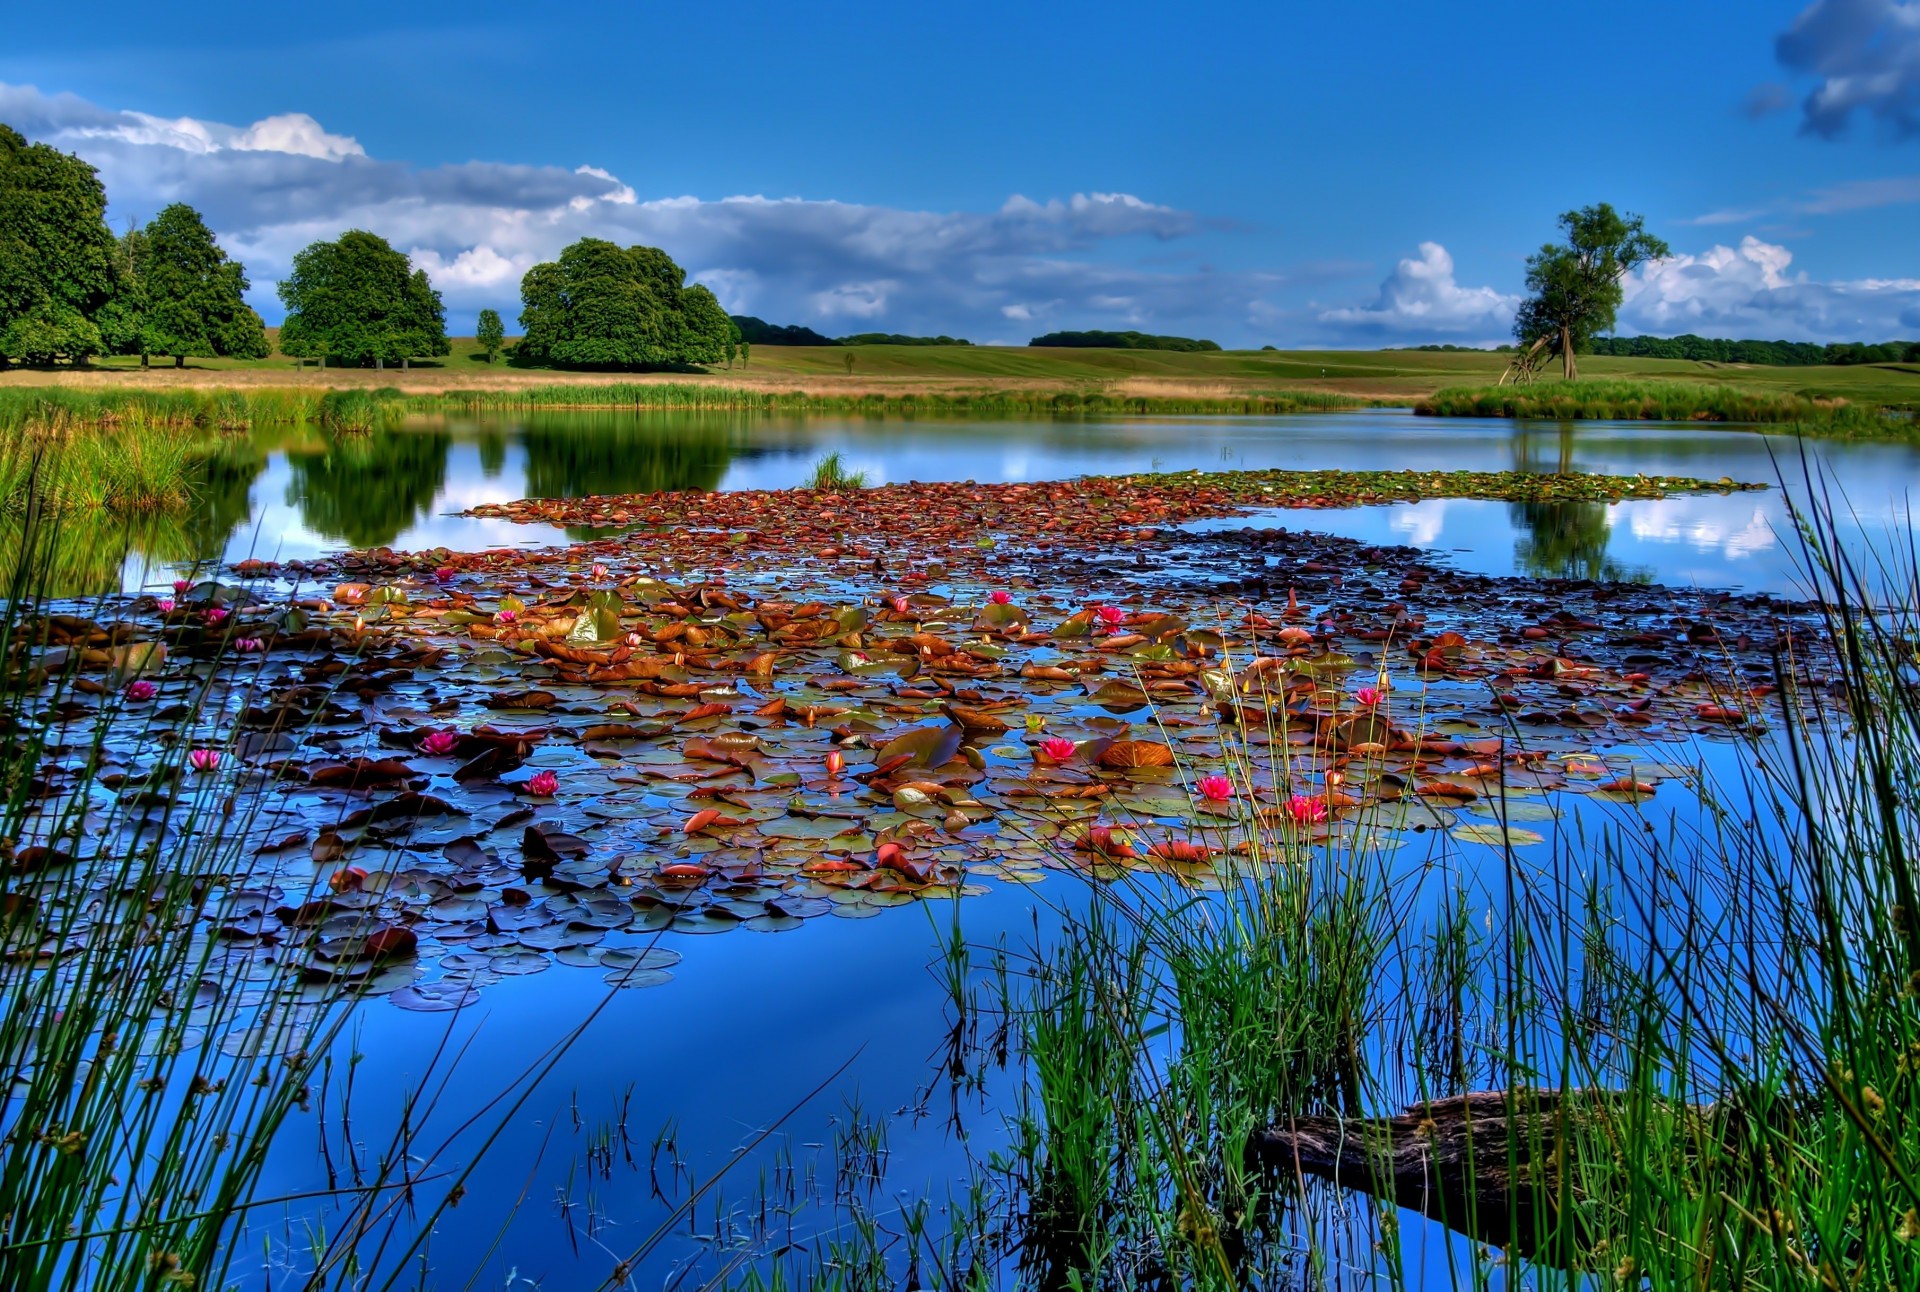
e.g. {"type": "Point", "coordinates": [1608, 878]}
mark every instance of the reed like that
{"type": "Point", "coordinates": [1666, 401]}
{"type": "Point", "coordinates": [830, 474]}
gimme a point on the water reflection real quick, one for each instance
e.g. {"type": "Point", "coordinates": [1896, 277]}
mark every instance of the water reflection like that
{"type": "Point", "coordinates": [86, 553]}
{"type": "Point", "coordinates": [569, 456]}
{"type": "Point", "coordinates": [407, 486]}
{"type": "Point", "coordinates": [1562, 540]}
{"type": "Point", "coordinates": [366, 490]}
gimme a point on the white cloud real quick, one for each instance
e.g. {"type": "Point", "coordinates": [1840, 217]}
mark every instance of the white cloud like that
{"type": "Point", "coordinates": [1865, 56]}
{"type": "Point", "coordinates": [1421, 299]}
{"type": "Point", "coordinates": [1751, 291]}
{"type": "Point", "coordinates": [271, 188]}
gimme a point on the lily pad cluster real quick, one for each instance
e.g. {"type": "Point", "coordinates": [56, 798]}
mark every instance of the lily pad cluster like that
{"type": "Point", "coordinates": [456, 768]}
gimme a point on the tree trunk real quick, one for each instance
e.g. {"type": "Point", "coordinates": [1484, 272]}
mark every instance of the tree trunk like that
{"type": "Point", "coordinates": [179, 360]}
{"type": "Point", "coordinates": [1566, 353]}
{"type": "Point", "coordinates": [404, 363]}
{"type": "Point", "coordinates": [146, 361]}
{"type": "Point", "coordinates": [379, 363]}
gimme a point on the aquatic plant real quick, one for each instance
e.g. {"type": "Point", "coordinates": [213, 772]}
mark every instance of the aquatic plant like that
{"type": "Point", "coordinates": [830, 473]}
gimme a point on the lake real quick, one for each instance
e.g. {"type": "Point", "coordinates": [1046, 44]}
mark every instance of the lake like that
{"type": "Point", "coordinates": [838, 1037]}
{"type": "Point", "coordinates": [285, 496]}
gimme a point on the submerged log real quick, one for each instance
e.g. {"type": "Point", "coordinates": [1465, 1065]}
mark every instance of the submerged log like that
{"type": "Point", "coordinates": [1490, 1164]}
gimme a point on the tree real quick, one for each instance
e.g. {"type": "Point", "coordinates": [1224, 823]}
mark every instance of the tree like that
{"type": "Point", "coordinates": [193, 296]}
{"type": "Point", "coordinates": [490, 333]}
{"type": "Point", "coordinates": [358, 301]}
{"type": "Point", "coordinates": [56, 253]}
{"type": "Point", "coordinates": [1574, 288]}
{"type": "Point", "coordinates": [606, 306]}
{"type": "Point", "coordinates": [848, 357]}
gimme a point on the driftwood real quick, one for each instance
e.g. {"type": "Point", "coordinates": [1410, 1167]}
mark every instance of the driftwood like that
{"type": "Point", "coordinates": [1489, 1164]}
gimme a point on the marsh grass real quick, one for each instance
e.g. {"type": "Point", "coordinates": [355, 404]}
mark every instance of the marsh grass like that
{"type": "Point", "coordinates": [1666, 401]}
{"type": "Point", "coordinates": [830, 474]}
{"type": "Point", "coordinates": [133, 469]}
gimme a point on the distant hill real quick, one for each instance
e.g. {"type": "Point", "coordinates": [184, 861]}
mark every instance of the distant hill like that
{"type": "Point", "coordinates": [894, 338]}
{"type": "Point", "coordinates": [1121, 341]}
{"type": "Point", "coordinates": [760, 332]}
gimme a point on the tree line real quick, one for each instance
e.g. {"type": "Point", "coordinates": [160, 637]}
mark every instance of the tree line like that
{"type": "Point", "coordinates": [70, 290]}
{"type": "Point", "coordinates": [1095, 340]}
{"type": "Point", "coordinates": [1773, 354]}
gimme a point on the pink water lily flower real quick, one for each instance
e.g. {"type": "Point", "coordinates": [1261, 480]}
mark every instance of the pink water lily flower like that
{"type": "Point", "coordinates": [505, 616]}
{"type": "Point", "coordinates": [439, 743]}
{"type": "Point", "coordinates": [164, 605]}
{"type": "Point", "coordinates": [444, 574]}
{"type": "Point", "coordinates": [543, 784]}
{"type": "Point", "coordinates": [1369, 696]}
{"type": "Point", "coordinates": [1305, 809]}
{"type": "Point", "coordinates": [141, 689]}
{"type": "Point", "coordinates": [900, 605]}
{"type": "Point", "coordinates": [599, 573]}
{"type": "Point", "coordinates": [1214, 789]}
{"type": "Point", "coordinates": [249, 645]}
{"type": "Point", "coordinates": [1059, 749]}
{"type": "Point", "coordinates": [1110, 617]}
{"type": "Point", "coordinates": [181, 585]}
{"type": "Point", "coordinates": [1000, 597]}
{"type": "Point", "coordinates": [204, 760]}
{"type": "Point", "coordinates": [215, 614]}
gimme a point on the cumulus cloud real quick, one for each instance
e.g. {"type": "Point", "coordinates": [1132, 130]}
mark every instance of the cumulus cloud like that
{"type": "Point", "coordinates": [274, 186]}
{"type": "Point", "coordinates": [1421, 299]}
{"type": "Point", "coordinates": [1865, 56]}
{"type": "Point", "coordinates": [1752, 291]}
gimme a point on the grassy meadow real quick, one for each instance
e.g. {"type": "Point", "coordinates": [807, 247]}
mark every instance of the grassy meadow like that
{"type": "Point", "coordinates": [1387, 376]}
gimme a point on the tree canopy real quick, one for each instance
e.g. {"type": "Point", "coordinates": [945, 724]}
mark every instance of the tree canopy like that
{"type": "Point", "coordinates": [755, 331]}
{"type": "Point", "coordinates": [56, 253]}
{"type": "Point", "coordinates": [1097, 340]}
{"type": "Point", "coordinates": [605, 306]}
{"type": "Point", "coordinates": [178, 293]}
{"type": "Point", "coordinates": [358, 301]}
{"type": "Point", "coordinates": [490, 333]}
{"type": "Point", "coordinates": [1574, 287]}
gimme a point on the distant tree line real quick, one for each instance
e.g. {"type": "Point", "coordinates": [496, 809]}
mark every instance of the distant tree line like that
{"type": "Point", "coordinates": [1776, 354]}
{"type": "Point", "coordinates": [1122, 341]}
{"type": "Point", "coordinates": [1450, 348]}
{"type": "Point", "coordinates": [895, 338]}
{"type": "Point", "coordinates": [760, 332]}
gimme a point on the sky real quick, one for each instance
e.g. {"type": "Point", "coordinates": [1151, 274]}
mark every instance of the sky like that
{"type": "Point", "coordinates": [1341, 176]}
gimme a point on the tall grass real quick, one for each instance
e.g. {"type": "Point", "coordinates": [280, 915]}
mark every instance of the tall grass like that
{"type": "Point", "coordinates": [136, 468]}
{"type": "Point", "coordinates": [830, 474]}
{"type": "Point", "coordinates": [1667, 401]}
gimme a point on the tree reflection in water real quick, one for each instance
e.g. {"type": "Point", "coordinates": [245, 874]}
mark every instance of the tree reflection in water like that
{"type": "Point", "coordinates": [572, 457]}
{"type": "Point", "coordinates": [1562, 540]}
{"type": "Point", "coordinates": [365, 490]}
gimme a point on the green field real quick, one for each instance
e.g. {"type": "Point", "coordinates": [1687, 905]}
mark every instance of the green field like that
{"type": "Point", "coordinates": [1396, 376]}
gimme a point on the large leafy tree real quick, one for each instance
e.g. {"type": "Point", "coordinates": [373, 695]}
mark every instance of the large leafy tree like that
{"type": "Point", "coordinates": [606, 306]}
{"type": "Point", "coordinates": [1574, 286]}
{"type": "Point", "coordinates": [357, 301]}
{"type": "Point", "coordinates": [193, 294]}
{"type": "Point", "coordinates": [56, 253]}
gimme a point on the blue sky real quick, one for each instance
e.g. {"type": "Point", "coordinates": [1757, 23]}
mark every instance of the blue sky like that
{"type": "Point", "coordinates": [1341, 175]}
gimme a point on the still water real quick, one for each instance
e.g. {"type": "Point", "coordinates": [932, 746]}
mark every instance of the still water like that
{"type": "Point", "coordinates": [666, 1084]}
{"type": "Point", "coordinates": [285, 495]}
